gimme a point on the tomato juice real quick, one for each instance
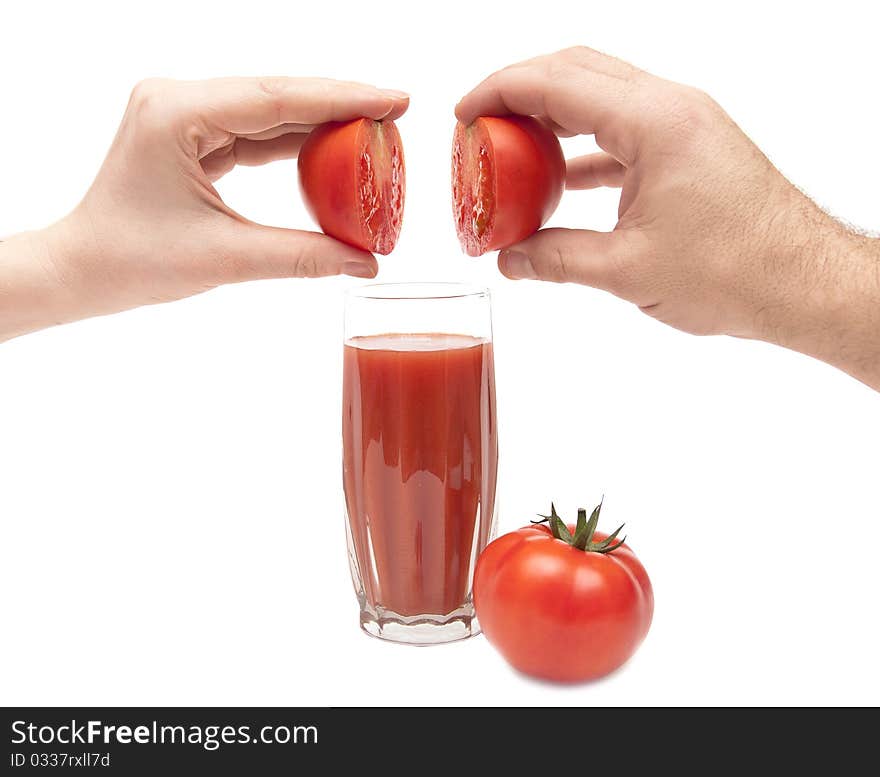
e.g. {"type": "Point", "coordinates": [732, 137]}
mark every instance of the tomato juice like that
{"type": "Point", "coordinates": [419, 467]}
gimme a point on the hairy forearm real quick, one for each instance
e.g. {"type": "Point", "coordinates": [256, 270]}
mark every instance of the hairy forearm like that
{"type": "Point", "coordinates": [35, 288]}
{"type": "Point", "coordinates": [833, 313]}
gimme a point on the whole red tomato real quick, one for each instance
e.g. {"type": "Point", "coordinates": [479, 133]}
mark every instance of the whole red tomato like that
{"type": "Point", "coordinates": [353, 181]}
{"type": "Point", "coordinates": [508, 175]}
{"type": "Point", "coordinates": [563, 603]}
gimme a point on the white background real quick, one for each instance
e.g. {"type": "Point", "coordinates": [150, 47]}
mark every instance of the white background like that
{"type": "Point", "coordinates": [170, 504]}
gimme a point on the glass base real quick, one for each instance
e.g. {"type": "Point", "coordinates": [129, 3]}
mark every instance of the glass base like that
{"type": "Point", "coordinates": [420, 629]}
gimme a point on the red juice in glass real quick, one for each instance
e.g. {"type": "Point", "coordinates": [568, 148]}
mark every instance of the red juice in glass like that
{"type": "Point", "coordinates": [420, 456]}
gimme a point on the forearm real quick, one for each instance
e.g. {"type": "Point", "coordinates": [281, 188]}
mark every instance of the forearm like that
{"type": "Point", "coordinates": [36, 288]}
{"type": "Point", "coordinates": [834, 314]}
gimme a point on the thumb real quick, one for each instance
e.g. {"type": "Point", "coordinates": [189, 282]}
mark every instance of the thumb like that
{"type": "Point", "coordinates": [569, 255]}
{"type": "Point", "coordinates": [254, 251]}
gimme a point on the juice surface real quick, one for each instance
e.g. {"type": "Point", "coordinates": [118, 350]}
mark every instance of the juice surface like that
{"type": "Point", "coordinates": [419, 465]}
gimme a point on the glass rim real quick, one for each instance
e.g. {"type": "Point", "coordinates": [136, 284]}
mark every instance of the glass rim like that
{"type": "Point", "coordinates": [410, 291]}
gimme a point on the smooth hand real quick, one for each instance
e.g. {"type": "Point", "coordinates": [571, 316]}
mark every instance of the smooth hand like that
{"type": "Point", "coordinates": [152, 227]}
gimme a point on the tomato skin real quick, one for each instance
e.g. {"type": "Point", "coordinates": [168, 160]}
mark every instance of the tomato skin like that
{"type": "Point", "coordinates": [559, 613]}
{"type": "Point", "coordinates": [525, 181]}
{"type": "Point", "coordinates": [348, 170]}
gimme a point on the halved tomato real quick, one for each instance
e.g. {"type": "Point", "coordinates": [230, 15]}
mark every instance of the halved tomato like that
{"type": "Point", "coordinates": [508, 175]}
{"type": "Point", "coordinates": [353, 181]}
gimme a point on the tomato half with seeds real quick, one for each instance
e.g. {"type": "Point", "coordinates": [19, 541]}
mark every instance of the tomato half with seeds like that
{"type": "Point", "coordinates": [508, 175]}
{"type": "Point", "coordinates": [562, 602]}
{"type": "Point", "coordinates": [353, 181]}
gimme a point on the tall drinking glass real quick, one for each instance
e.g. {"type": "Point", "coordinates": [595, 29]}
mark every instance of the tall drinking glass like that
{"type": "Point", "coordinates": [420, 455]}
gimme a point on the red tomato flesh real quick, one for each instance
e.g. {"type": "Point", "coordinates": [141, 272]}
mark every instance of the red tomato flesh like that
{"type": "Point", "coordinates": [508, 175]}
{"type": "Point", "coordinates": [353, 181]}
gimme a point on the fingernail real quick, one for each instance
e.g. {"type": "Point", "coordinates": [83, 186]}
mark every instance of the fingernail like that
{"type": "Point", "coordinates": [396, 94]}
{"type": "Point", "coordinates": [359, 269]}
{"type": "Point", "coordinates": [515, 264]}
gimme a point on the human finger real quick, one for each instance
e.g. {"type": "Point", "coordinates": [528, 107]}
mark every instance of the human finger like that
{"type": "Point", "coordinates": [594, 170]}
{"type": "Point", "coordinates": [571, 255]}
